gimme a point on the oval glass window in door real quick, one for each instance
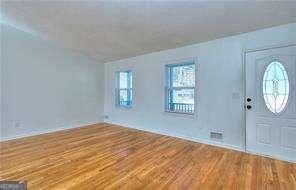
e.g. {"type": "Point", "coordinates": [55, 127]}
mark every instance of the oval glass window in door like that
{"type": "Point", "coordinates": [275, 87]}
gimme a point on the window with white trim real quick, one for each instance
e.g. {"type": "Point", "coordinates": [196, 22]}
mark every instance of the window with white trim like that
{"type": "Point", "coordinates": [180, 88]}
{"type": "Point", "coordinates": [124, 88]}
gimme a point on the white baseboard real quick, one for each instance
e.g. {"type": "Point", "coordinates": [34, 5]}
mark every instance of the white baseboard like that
{"type": "Point", "coordinates": [278, 157]}
{"type": "Point", "coordinates": [200, 140]}
{"type": "Point", "coordinates": [39, 132]}
{"type": "Point", "coordinates": [206, 141]}
{"type": "Point", "coordinates": [194, 139]}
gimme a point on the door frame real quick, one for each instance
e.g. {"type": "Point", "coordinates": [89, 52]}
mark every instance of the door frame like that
{"type": "Point", "coordinates": [244, 56]}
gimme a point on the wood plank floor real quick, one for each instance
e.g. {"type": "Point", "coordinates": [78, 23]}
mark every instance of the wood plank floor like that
{"type": "Point", "coordinates": [105, 156]}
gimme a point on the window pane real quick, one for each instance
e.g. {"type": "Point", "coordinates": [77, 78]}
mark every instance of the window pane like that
{"type": "Point", "coordinates": [184, 96]}
{"type": "Point", "coordinates": [124, 92]}
{"type": "Point", "coordinates": [182, 100]}
{"type": "Point", "coordinates": [181, 88]}
{"type": "Point", "coordinates": [130, 85]}
{"type": "Point", "coordinates": [183, 76]}
{"type": "Point", "coordinates": [125, 97]}
{"type": "Point", "coordinates": [122, 95]}
{"type": "Point", "coordinates": [123, 76]}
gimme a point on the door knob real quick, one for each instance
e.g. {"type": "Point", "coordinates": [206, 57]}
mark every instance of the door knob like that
{"type": "Point", "coordinates": [249, 107]}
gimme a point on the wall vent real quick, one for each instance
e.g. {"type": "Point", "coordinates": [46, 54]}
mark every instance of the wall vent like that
{"type": "Point", "coordinates": [216, 136]}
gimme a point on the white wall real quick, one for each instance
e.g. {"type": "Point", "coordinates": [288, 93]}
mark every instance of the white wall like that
{"type": "Point", "coordinates": [45, 87]}
{"type": "Point", "coordinates": [219, 85]}
{"type": "Point", "coordinates": [1, 74]}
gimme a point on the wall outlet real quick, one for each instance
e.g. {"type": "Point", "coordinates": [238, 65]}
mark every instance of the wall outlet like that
{"type": "Point", "coordinates": [16, 124]}
{"type": "Point", "coordinates": [105, 116]}
{"type": "Point", "coordinates": [235, 95]}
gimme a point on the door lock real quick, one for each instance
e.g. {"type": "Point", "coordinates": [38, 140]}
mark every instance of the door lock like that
{"type": "Point", "coordinates": [249, 107]}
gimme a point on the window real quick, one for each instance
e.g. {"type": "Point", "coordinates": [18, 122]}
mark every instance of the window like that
{"type": "Point", "coordinates": [124, 88]}
{"type": "Point", "coordinates": [275, 87]}
{"type": "Point", "coordinates": [180, 88]}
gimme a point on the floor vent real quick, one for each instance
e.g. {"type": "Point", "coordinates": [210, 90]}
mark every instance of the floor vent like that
{"type": "Point", "coordinates": [216, 136]}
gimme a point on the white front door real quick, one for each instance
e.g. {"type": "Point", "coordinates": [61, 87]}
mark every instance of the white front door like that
{"type": "Point", "coordinates": [271, 102]}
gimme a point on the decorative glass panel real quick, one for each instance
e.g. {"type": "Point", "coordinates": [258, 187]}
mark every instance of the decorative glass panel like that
{"type": "Point", "coordinates": [275, 87]}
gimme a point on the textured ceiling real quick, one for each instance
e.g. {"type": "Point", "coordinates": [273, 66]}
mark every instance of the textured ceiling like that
{"type": "Point", "coordinates": [112, 30]}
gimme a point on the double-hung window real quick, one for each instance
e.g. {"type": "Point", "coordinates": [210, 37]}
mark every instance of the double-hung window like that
{"type": "Point", "coordinates": [180, 88]}
{"type": "Point", "coordinates": [124, 88]}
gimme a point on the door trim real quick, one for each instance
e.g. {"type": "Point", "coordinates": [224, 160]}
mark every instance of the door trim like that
{"type": "Point", "coordinates": [270, 47]}
{"type": "Point", "coordinates": [244, 56]}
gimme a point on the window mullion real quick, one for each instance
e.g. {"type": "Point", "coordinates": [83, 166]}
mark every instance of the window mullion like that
{"type": "Point", "coordinates": [181, 88]}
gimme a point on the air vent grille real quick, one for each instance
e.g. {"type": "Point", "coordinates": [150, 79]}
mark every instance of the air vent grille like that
{"type": "Point", "coordinates": [216, 136]}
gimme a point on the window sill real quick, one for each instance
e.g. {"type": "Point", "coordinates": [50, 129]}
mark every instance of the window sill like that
{"type": "Point", "coordinates": [180, 114]}
{"type": "Point", "coordinates": [123, 107]}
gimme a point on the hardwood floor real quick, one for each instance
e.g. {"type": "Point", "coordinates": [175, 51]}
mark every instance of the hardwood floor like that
{"type": "Point", "coordinates": [105, 156]}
